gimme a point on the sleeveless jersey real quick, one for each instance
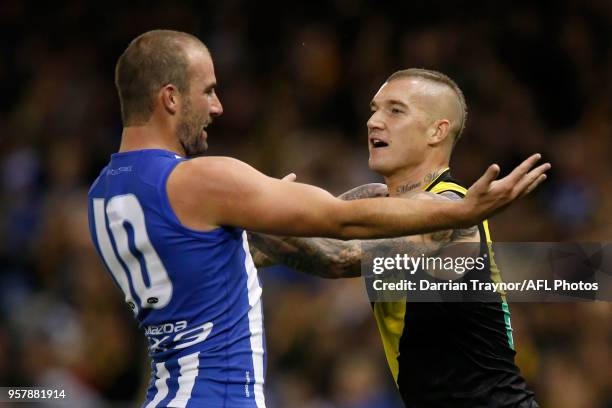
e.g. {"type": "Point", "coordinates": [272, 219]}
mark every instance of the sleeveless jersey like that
{"type": "Point", "coordinates": [454, 354]}
{"type": "Point", "coordinates": [196, 295]}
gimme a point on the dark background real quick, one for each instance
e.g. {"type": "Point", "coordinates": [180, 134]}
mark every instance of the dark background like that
{"type": "Point", "coordinates": [296, 81]}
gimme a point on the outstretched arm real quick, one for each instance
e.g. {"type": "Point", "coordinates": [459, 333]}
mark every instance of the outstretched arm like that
{"type": "Point", "coordinates": [209, 192]}
{"type": "Point", "coordinates": [313, 254]}
{"type": "Point", "coordinates": [330, 258]}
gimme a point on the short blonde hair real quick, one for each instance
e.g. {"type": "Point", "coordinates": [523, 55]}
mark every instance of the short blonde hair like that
{"type": "Point", "coordinates": [440, 78]}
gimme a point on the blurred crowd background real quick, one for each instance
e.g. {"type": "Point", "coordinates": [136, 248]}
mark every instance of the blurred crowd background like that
{"type": "Point", "coordinates": [296, 81]}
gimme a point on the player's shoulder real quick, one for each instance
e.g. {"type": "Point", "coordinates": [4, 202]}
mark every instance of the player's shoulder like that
{"type": "Point", "coordinates": [210, 162]}
{"type": "Point", "coordinates": [451, 194]}
{"type": "Point", "coordinates": [200, 188]}
{"type": "Point", "coordinates": [207, 177]}
{"type": "Point", "coordinates": [201, 169]}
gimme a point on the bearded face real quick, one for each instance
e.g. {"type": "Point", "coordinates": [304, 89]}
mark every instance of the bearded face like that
{"type": "Point", "coordinates": [200, 104]}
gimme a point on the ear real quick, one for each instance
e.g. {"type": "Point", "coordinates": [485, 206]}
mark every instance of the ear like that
{"type": "Point", "coordinates": [170, 99]}
{"type": "Point", "coordinates": [438, 132]}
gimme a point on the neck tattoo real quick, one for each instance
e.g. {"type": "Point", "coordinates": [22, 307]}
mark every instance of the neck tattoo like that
{"type": "Point", "coordinates": [404, 188]}
{"type": "Point", "coordinates": [431, 176]}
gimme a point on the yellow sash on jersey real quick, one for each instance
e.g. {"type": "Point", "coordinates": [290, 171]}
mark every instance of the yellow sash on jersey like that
{"type": "Point", "coordinates": [390, 315]}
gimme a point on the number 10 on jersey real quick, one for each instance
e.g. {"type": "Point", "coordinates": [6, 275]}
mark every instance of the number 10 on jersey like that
{"type": "Point", "coordinates": [121, 211]}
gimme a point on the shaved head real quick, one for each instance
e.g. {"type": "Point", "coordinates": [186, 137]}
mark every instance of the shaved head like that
{"type": "Point", "coordinates": [151, 61]}
{"type": "Point", "coordinates": [438, 96]}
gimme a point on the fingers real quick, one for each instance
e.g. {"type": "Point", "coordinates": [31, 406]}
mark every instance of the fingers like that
{"type": "Point", "coordinates": [530, 178]}
{"type": "Point", "coordinates": [487, 178]}
{"type": "Point", "coordinates": [289, 177]}
{"type": "Point", "coordinates": [489, 196]}
{"type": "Point", "coordinates": [534, 184]}
{"type": "Point", "coordinates": [522, 169]}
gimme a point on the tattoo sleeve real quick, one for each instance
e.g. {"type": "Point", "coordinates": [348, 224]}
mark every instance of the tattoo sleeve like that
{"type": "Point", "coordinates": [324, 257]}
{"type": "Point", "coordinates": [470, 234]}
{"type": "Point", "coordinates": [260, 259]}
{"type": "Point", "coordinates": [365, 191]}
{"type": "Point", "coordinates": [332, 258]}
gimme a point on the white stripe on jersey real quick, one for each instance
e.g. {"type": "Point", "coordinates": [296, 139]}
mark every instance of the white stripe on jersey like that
{"type": "Point", "coordinates": [255, 323]}
{"type": "Point", "coordinates": [160, 384]}
{"type": "Point", "coordinates": [189, 371]}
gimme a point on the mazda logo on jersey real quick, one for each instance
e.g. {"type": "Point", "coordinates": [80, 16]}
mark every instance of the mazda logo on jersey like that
{"type": "Point", "coordinates": [175, 337]}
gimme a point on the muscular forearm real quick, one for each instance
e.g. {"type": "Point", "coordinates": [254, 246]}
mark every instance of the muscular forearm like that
{"type": "Point", "coordinates": [324, 257]}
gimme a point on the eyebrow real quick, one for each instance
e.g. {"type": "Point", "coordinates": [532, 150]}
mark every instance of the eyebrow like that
{"type": "Point", "coordinates": [373, 104]}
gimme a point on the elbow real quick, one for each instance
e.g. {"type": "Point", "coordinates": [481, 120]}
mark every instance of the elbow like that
{"type": "Point", "coordinates": [345, 263]}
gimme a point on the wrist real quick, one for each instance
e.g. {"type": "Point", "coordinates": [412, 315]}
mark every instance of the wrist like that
{"type": "Point", "coordinates": [467, 213]}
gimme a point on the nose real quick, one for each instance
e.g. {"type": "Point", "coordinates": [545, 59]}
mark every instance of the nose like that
{"type": "Point", "coordinates": [375, 122]}
{"type": "Point", "coordinates": [216, 109]}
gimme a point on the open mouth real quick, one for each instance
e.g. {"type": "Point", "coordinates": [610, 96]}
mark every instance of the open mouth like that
{"type": "Point", "coordinates": [204, 133]}
{"type": "Point", "coordinates": [378, 143]}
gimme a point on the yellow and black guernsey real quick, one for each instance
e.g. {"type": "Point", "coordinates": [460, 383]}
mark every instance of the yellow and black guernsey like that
{"type": "Point", "coordinates": [454, 354]}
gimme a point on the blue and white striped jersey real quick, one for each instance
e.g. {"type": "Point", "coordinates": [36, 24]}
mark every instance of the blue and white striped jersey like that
{"type": "Point", "coordinates": [196, 295]}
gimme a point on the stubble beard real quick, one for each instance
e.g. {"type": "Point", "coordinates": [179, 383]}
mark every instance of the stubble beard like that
{"type": "Point", "coordinates": [189, 132]}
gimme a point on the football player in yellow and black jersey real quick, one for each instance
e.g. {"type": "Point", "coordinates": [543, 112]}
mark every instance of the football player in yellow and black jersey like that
{"type": "Point", "coordinates": [440, 354]}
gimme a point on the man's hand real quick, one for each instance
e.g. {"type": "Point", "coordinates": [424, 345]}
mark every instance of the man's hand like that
{"type": "Point", "coordinates": [488, 196]}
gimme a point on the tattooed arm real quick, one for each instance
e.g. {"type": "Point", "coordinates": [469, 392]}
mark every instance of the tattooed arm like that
{"type": "Point", "coordinates": [330, 258]}
{"type": "Point", "coordinates": [260, 259]}
{"type": "Point", "coordinates": [370, 190]}
{"type": "Point", "coordinates": [324, 257]}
